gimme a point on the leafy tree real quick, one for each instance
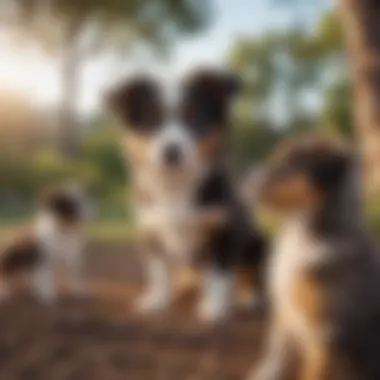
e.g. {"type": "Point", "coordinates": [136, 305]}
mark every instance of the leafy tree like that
{"type": "Point", "coordinates": [283, 70]}
{"type": "Point", "coordinates": [338, 111]}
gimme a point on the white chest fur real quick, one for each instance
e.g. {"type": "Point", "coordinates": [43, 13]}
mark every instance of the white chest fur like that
{"type": "Point", "coordinates": [294, 253]}
{"type": "Point", "coordinates": [286, 260]}
{"type": "Point", "coordinates": [173, 219]}
{"type": "Point", "coordinates": [55, 241]}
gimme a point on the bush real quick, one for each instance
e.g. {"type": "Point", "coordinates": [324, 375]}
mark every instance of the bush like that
{"type": "Point", "coordinates": [102, 151]}
{"type": "Point", "coordinates": [99, 167]}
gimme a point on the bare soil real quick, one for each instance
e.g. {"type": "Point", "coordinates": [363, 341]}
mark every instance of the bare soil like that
{"type": "Point", "coordinates": [98, 337]}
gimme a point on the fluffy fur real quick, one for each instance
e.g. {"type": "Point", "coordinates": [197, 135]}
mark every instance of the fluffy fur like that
{"type": "Point", "coordinates": [186, 207]}
{"type": "Point", "coordinates": [56, 238]}
{"type": "Point", "coordinates": [324, 272]}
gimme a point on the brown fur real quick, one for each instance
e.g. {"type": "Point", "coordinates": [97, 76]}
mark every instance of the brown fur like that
{"type": "Point", "coordinates": [291, 194]}
{"type": "Point", "coordinates": [21, 254]}
{"type": "Point", "coordinates": [310, 298]}
{"type": "Point", "coordinates": [247, 279]}
{"type": "Point", "coordinates": [331, 309]}
{"type": "Point", "coordinates": [211, 222]}
{"type": "Point", "coordinates": [211, 146]}
{"type": "Point", "coordinates": [136, 147]}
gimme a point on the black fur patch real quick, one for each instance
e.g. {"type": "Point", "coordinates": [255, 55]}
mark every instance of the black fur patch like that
{"type": "Point", "coordinates": [63, 205]}
{"type": "Point", "coordinates": [203, 104]}
{"type": "Point", "coordinates": [139, 104]}
{"type": "Point", "coordinates": [206, 100]}
{"type": "Point", "coordinates": [239, 242]}
{"type": "Point", "coordinates": [325, 162]}
{"type": "Point", "coordinates": [23, 254]}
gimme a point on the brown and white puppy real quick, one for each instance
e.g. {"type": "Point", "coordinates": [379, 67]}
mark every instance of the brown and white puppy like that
{"type": "Point", "coordinates": [175, 141]}
{"type": "Point", "coordinates": [324, 272]}
{"type": "Point", "coordinates": [56, 238]}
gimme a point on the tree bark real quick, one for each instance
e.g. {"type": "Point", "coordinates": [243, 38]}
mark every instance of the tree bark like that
{"type": "Point", "coordinates": [361, 22]}
{"type": "Point", "coordinates": [68, 128]}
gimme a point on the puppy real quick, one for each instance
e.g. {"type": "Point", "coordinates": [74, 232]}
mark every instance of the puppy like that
{"type": "Point", "coordinates": [56, 237]}
{"type": "Point", "coordinates": [176, 140]}
{"type": "Point", "coordinates": [324, 272]}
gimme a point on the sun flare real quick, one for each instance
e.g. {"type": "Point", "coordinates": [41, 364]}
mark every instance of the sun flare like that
{"type": "Point", "coordinates": [25, 71]}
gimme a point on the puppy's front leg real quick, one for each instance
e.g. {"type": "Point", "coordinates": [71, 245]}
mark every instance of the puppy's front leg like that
{"type": "Point", "coordinates": [316, 361]}
{"type": "Point", "coordinates": [218, 288]}
{"type": "Point", "coordinates": [44, 281]}
{"type": "Point", "coordinates": [274, 365]}
{"type": "Point", "coordinates": [158, 294]}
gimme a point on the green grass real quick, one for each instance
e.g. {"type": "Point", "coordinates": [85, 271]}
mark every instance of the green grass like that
{"type": "Point", "coordinates": [113, 232]}
{"type": "Point", "coordinates": [101, 232]}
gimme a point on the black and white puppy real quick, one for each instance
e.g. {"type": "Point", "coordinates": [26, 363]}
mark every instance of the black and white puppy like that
{"type": "Point", "coordinates": [57, 237]}
{"type": "Point", "coordinates": [187, 209]}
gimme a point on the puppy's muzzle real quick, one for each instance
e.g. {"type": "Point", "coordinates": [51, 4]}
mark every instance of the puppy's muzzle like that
{"type": "Point", "coordinates": [173, 156]}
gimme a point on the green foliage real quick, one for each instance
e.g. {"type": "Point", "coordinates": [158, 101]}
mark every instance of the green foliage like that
{"type": "Point", "coordinates": [286, 67]}
{"type": "Point", "coordinates": [111, 23]}
{"type": "Point", "coordinates": [338, 112]}
{"type": "Point", "coordinates": [251, 144]}
{"type": "Point", "coordinates": [102, 150]}
{"type": "Point", "coordinates": [100, 168]}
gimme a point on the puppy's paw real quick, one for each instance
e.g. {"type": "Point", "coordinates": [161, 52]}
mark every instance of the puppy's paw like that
{"type": "Point", "coordinates": [267, 371]}
{"type": "Point", "coordinates": [216, 302]}
{"type": "Point", "coordinates": [211, 313]}
{"type": "Point", "coordinates": [250, 303]}
{"type": "Point", "coordinates": [151, 303]}
{"type": "Point", "coordinates": [205, 314]}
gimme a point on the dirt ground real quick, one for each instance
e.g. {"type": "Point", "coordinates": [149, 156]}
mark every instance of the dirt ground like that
{"type": "Point", "coordinates": [99, 338]}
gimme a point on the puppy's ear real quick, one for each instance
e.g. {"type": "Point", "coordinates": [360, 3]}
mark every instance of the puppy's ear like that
{"type": "Point", "coordinates": [329, 171]}
{"type": "Point", "coordinates": [214, 86]}
{"type": "Point", "coordinates": [136, 102]}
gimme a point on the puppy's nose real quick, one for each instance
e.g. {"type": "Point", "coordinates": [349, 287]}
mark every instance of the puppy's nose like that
{"type": "Point", "coordinates": [173, 155]}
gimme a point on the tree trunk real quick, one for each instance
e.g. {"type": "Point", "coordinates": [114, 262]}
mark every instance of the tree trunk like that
{"type": "Point", "coordinates": [361, 22]}
{"type": "Point", "coordinates": [68, 128]}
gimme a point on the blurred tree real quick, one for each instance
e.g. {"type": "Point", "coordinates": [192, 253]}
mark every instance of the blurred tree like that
{"type": "Point", "coordinates": [23, 127]}
{"type": "Point", "coordinates": [76, 30]}
{"type": "Point", "coordinates": [294, 82]}
{"type": "Point", "coordinates": [337, 110]}
{"type": "Point", "coordinates": [362, 28]}
{"type": "Point", "coordinates": [101, 149]}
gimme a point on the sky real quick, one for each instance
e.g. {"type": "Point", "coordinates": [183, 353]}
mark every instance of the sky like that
{"type": "Point", "coordinates": [28, 73]}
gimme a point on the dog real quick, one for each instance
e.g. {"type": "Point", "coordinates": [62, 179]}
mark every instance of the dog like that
{"type": "Point", "coordinates": [56, 237]}
{"type": "Point", "coordinates": [324, 269]}
{"type": "Point", "coordinates": [176, 140]}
